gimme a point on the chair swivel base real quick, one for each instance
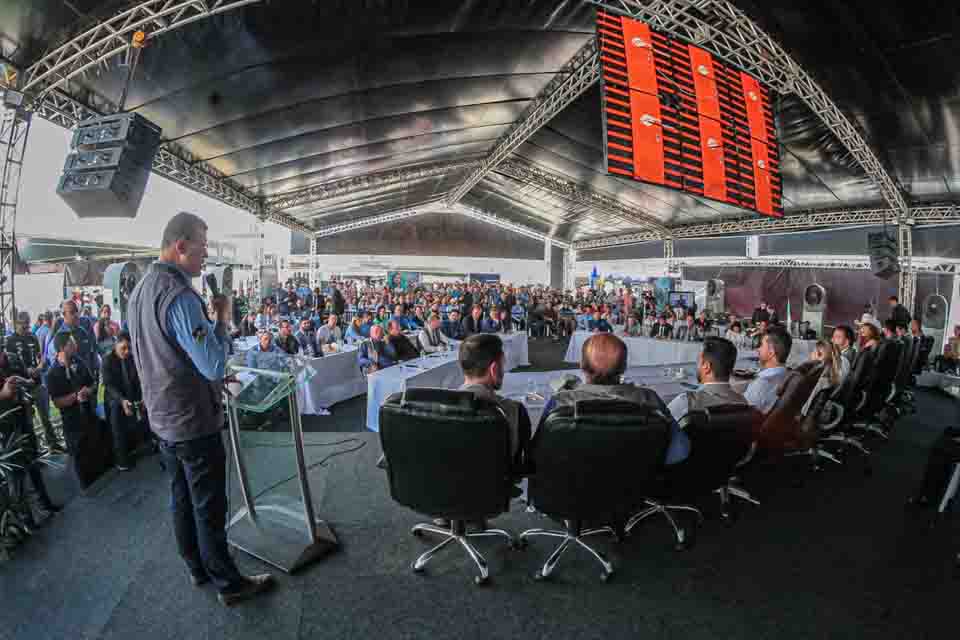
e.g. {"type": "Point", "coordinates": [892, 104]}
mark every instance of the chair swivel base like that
{"type": "Point", "coordinates": [653, 508]}
{"type": "Point", "coordinates": [816, 455]}
{"type": "Point", "coordinates": [570, 536]}
{"type": "Point", "coordinates": [457, 533]}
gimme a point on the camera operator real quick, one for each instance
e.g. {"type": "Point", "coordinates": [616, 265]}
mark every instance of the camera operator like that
{"type": "Point", "coordinates": [27, 361]}
{"type": "Point", "coordinates": [123, 397]}
{"type": "Point", "coordinates": [17, 421]}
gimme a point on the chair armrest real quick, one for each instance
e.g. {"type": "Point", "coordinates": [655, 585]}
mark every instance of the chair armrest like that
{"type": "Point", "coordinates": [863, 401]}
{"type": "Point", "coordinates": [836, 421]}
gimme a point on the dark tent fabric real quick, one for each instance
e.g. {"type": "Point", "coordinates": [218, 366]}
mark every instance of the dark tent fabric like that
{"type": "Point", "coordinates": [847, 290]}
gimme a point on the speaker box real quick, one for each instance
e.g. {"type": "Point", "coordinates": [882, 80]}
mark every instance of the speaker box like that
{"type": "Point", "coordinates": [884, 255]}
{"type": "Point", "coordinates": [107, 173]}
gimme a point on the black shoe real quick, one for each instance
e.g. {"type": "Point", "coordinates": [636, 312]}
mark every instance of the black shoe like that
{"type": "Point", "coordinates": [250, 586]}
{"type": "Point", "coordinates": [199, 578]}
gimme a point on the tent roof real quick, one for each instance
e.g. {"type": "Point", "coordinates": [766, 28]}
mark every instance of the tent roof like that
{"type": "Point", "coordinates": [285, 95]}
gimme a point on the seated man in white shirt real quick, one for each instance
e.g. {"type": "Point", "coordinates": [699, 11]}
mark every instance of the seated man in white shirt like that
{"type": "Point", "coordinates": [773, 353]}
{"type": "Point", "coordinates": [714, 366]}
{"type": "Point", "coordinates": [431, 338]}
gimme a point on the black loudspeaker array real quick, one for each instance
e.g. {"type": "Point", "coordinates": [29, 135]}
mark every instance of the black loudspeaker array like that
{"type": "Point", "coordinates": [884, 255]}
{"type": "Point", "coordinates": [108, 166]}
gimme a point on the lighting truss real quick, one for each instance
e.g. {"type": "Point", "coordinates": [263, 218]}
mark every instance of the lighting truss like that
{"type": "Point", "coordinates": [14, 129]}
{"type": "Point", "coordinates": [926, 215]}
{"type": "Point", "coordinates": [111, 37]}
{"type": "Point", "coordinates": [367, 185]}
{"type": "Point", "coordinates": [849, 262]}
{"type": "Point", "coordinates": [722, 29]}
{"type": "Point", "coordinates": [498, 221]}
{"type": "Point", "coordinates": [570, 190]}
{"type": "Point", "coordinates": [370, 221]}
{"type": "Point", "coordinates": [576, 76]}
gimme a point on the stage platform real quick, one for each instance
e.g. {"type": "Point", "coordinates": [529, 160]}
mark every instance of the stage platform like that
{"type": "Point", "coordinates": [837, 557]}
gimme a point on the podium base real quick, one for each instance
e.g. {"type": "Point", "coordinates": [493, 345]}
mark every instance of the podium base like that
{"type": "Point", "coordinates": [278, 544]}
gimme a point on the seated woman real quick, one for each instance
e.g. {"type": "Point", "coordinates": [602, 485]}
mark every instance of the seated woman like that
{"type": "Point", "coordinates": [835, 369]}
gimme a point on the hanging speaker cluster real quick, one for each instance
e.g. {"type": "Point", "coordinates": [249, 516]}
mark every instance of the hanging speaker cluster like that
{"type": "Point", "coordinates": [107, 170]}
{"type": "Point", "coordinates": [884, 256]}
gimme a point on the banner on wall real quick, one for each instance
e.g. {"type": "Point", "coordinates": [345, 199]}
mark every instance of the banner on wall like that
{"type": "Point", "coordinates": [661, 291]}
{"type": "Point", "coordinates": [403, 280]}
{"type": "Point", "coordinates": [485, 278]}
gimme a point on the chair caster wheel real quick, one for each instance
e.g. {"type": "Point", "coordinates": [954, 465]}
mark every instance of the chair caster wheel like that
{"type": "Point", "coordinates": [727, 519]}
{"type": "Point", "coordinates": [605, 576]}
{"type": "Point", "coordinates": [416, 533]}
{"type": "Point", "coordinates": [417, 569]}
{"type": "Point", "coordinates": [539, 577]}
{"type": "Point", "coordinates": [480, 580]}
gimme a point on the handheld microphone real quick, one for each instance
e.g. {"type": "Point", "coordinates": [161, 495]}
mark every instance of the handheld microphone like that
{"type": "Point", "coordinates": [212, 285]}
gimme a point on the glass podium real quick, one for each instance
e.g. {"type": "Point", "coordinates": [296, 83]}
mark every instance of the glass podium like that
{"type": "Point", "coordinates": [276, 521]}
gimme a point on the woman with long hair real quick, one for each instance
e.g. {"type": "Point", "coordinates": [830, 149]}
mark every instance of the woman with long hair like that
{"type": "Point", "coordinates": [105, 330]}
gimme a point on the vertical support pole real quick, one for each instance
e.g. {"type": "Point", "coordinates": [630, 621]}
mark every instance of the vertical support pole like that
{"type": "Point", "coordinates": [569, 269]}
{"type": "Point", "coordinates": [547, 251]}
{"type": "Point", "coordinates": [671, 265]}
{"type": "Point", "coordinates": [14, 129]}
{"type": "Point", "coordinates": [908, 276]}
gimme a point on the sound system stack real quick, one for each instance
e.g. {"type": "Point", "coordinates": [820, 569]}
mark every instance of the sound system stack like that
{"type": "Point", "coordinates": [107, 170]}
{"type": "Point", "coordinates": [884, 255]}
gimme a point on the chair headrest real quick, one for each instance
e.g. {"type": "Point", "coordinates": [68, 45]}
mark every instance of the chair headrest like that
{"type": "Point", "coordinates": [438, 401]}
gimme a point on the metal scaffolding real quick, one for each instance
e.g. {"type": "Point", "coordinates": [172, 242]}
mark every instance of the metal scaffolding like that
{"type": "Point", "coordinates": [14, 130]}
{"type": "Point", "coordinates": [494, 219]}
{"type": "Point", "coordinates": [576, 76]}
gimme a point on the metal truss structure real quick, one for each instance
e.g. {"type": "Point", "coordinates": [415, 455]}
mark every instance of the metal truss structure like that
{"type": "Point", "coordinates": [557, 185]}
{"type": "Point", "coordinates": [367, 185]}
{"type": "Point", "coordinates": [111, 37]}
{"type": "Point", "coordinates": [369, 221]}
{"type": "Point", "coordinates": [851, 262]}
{"type": "Point", "coordinates": [576, 76]}
{"type": "Point", "coordinates": [921, 216]}
{"type": "Point", "coordinates": [14, 130]}
{"type": "Point", "coordinates": [497, 221]}
{"type": "Point", "coordinates": [722, 29]}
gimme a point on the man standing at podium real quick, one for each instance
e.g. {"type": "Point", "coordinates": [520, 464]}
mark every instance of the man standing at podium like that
{"type": "Point", "coordinates": [182, 357]}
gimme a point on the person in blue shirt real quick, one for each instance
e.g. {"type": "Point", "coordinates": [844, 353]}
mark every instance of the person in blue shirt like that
{"type": "Point", "coordinates": [86, 345]}
{"type": "Point", "coordinates": [518, 314]}
{"type": "Point", "coordinates": [376, 353]}
{"type": "Point", "coordinates": [598, 324]}
{"type": "Point", "coordinates": [583, 319]}
{"type": "Point", "coordinates": [453, 327]}
{"type": "Point", "coordinates": [491, 324]}
{"type": "Point", "coordinates": [266, 355]}
{"type": "Point", "coordinates": [354, 334]}
{"type": "Point", "coordinates": [603, 364]}
{"type": "Point", "coordinates": [402, 319]}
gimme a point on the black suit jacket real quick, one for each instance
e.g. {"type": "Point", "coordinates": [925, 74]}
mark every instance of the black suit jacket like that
{"type": "Point", "coordinates": [404, 347]}
{"type": "Point", "coordinates": [657, 328]}
{"type": "Point", "coordinates": [115, 388]}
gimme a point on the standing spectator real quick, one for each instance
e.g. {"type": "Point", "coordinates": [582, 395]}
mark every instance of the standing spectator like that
{"type": "Point", "coordinates": [898, 313]}
{"type": "Point", "coordinates": [105, 331]}
{"type": "Point", "coordinates": [25, 360]}
{"type": "Point", "coordinates": [86, 346]}
{"type": "Point", "coordinates": [73, 391]}
{"type": "Point", "coordinates": [123, 395]}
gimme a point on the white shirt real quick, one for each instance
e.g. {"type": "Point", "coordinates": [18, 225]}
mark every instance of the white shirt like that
{"type": "Point", "coordinates": [441, 340]}
{"type": "Point", "coordinates": [762, 392]}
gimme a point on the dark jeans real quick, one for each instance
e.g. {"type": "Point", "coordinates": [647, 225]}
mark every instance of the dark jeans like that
{"type": "Point", "coordinates": [198, 500]}
{"type": "Point", "coordinates": [30, 468]}
{"type": "Point", "coordinates": [128, 434]}
{"type": "Point", "coordinates": [945, 454]}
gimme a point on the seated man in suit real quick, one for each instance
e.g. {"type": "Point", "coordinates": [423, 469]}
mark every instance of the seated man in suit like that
{"type": "Point", "coordinates": [661, 328]}
{"type": "Point", "coordinates": [603, 361]}
{"type": "Point", "coordinates": [401, 344]}
{"type": "Point", "coordinates": [474, 322]}
{"type": "Point", "coordinates": [688, 331]}
{"type": "Point", "coordinates": [714, 366]}
{"type": "Point", "coordinates": [376, 353]}
{"type": "Point", "coordinates": [431, 338]}
{"type": "Point", "coordinates": [307, 339]}
{"type": "Point", "coordinates": [453, 327]}
{"type": "Point", "coordinates": [483, 362]}
{"type": "Point", "coordinates": [491, 324]}
{"type": "Point", "coordinates": [774, 351]}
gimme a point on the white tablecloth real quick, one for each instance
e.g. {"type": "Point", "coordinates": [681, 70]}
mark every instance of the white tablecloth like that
{"type": "Point", "coordinates": [645, 352]}
{"type": "Point", "coordinates": [516, 349]}
{"type": "Point", "coordinates": [336, 377]}
{"type": "Point", "coordinates": [440, 370]}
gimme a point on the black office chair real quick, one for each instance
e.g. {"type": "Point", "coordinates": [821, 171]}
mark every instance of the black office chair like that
{"type": "Point", "coordinates": [821, 418]}
{"type": "Point", "coordinates": [721, 439]}
{"type": "Point", "coordinates": [879, 390]}
{"type": "Point", "coordinates": [923, 361]}
{"type": "Point", "coordinates": [593, 463]}
{"type": "Point", "coordinates": [848, 400]}
{"type": "Point", "coordinates": [449, 457]}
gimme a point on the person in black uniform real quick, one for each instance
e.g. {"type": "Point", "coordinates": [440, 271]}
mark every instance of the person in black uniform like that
{"type": "Point", "coordinates": [123, 395]}
{"type": "Point", "coordinates": [26, 360]}
{"type": "Point", "coordinates": [73, 391]}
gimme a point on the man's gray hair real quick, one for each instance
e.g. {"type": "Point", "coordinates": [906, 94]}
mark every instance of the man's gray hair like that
{"type": "Point", "coordinates": [183, 226]}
